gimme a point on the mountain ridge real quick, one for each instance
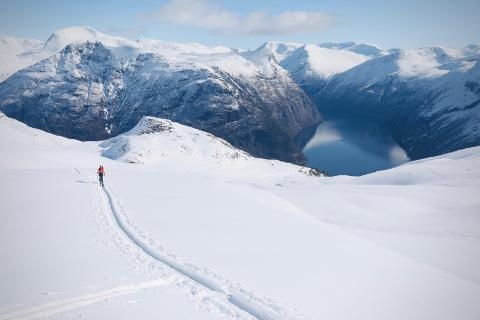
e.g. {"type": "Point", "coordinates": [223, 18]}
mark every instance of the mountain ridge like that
{"type": "Point", "coordinates": [259, 100]}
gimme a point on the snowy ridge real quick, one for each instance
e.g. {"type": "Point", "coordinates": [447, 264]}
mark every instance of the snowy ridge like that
{"type": "Point", "coordinates": [33, 51]}
{"type": "Point", "coordinates": [153, 139]}
{"type": "Point", "coordinates": [312, 61]}
{"type": "Point", "coordinates": [172, 48]}
{"type": "Point", "coordinates": [12, 51]}
{"type": "Point", "coordinates": [13, 46]}
{"type": "Point", "coordinates": [275, 49]}
{"type": "Point", "coordinates": [366, 49]}
{"type": "Point", "coordinates": [414, 64]}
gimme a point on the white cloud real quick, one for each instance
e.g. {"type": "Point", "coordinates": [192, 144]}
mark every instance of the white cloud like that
{"type": "Point", "coordinates": [196, 13]}
{"type": "Point", "coordinates": [211, 16]}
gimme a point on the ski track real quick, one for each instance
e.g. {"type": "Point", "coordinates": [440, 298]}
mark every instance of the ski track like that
{"type": "Point", "coordinates": [52, 308]}
{"type": "Point", "coordinates": [210, 291]}
{"type": "Point", "coordinates": [226, 298]}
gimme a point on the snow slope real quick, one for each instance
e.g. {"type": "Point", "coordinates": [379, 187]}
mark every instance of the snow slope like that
{"type": "Point", "coordinates": [308, 61]}
{"type": "Point", "coordinates": [189, 231]}
{"type": "Point", "coordinates": [366, 49]}
{"type": "Point", "coordinates": [11, 51]}
{"type": "Point", "coordinates": [312, 61]}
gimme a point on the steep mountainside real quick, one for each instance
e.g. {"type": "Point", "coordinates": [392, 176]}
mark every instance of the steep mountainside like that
{"type": "Point", "coordinates": [428, 98]}
{"type": "Point", "coordinates": [92, 90]}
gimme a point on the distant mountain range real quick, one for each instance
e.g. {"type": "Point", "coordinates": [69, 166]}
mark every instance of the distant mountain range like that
{"type": "Point", "coordinates": [84, 84]}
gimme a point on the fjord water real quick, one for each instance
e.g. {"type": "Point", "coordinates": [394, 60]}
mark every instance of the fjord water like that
{"type": "Point", "coordinates": [340, 147]}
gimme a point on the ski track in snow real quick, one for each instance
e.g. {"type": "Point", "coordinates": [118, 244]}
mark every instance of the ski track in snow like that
{"type": "Point", "coordinates": [209, 291]}
{"type": "Point", "coordinates": [52, 308]}
{"type": "Point", "coordinates": [228, 299]}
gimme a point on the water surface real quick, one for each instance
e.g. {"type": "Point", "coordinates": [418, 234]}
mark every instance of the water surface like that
{"type": "Point", "coordinates": [353, 149]}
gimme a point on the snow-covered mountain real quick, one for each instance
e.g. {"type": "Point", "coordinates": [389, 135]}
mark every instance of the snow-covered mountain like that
{"type": "Point", "coordinates": [84, 84]}
{"type": "Point", "coordinates": [429, 98]}
{"type": "Point", "coordinates": [311, 62]}
{"type": "Point", "coordinates": [13, 52]}
{"type": "Point", "coordinates": [98, 86]}
{"type": "Point", "coordinates": [153, 140]}
{"type": "Point", "coordinates": [187, 231]}
{"type": "Point", "coordinates": [365, 49]}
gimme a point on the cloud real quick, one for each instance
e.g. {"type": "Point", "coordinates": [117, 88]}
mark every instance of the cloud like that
{"type": "Point", "coordinates": [208, 15]}
{"type": "Point", "coordinates": [289, 22]}
{"type": "Point", "coordinates": [196, 13]}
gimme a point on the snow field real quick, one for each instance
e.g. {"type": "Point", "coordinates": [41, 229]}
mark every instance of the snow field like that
{"type": "Point", "coordinates": [229, 237]}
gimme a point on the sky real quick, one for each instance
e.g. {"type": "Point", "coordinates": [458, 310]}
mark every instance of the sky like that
{"type": "Point", "coordinates": [249, 23]}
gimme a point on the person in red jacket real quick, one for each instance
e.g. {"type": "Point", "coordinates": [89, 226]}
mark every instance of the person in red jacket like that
{"type": "Point", "coordinates": [101, 173]}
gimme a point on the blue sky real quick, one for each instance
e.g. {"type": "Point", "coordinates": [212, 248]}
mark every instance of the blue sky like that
{"type": "Point", "coordinates": [249, 23]}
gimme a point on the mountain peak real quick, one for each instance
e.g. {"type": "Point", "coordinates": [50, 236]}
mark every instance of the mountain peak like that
{"type": "Point", "coordinates": [366, 49]}
{"type": "Point", "coordinates": [73, 34]}
{"type": "Point", "coordinates": [155, 139]}
{"type": "Point", "coordinates": [279, 50]}
{"type": "Point", "coordinates": [149, 125]}
{"type": "Point", "coordinates": [121, 47]}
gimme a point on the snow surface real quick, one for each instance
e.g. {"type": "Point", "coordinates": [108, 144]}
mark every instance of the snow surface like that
{"type": "Point", "coordinates": [11, 48]}
{"type": "Point", "coordinates": [415, 64]}
{"type": "Point", "coordinates": [190, 228]}
{"type": "Point", "coordinates": [322, 62]}
{"type": "Point", "coordinates": [365, 49]}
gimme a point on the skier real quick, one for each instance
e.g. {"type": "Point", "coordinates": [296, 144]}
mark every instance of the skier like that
{"type": "Point", "coordinates": [101, 173]}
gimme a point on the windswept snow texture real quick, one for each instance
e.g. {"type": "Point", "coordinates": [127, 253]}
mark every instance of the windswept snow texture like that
{"type": "Point", "coordinates": [190, 228]}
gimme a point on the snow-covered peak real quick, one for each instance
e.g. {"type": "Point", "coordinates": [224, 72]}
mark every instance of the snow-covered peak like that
{"type": "Point", "coordinates": [153, 140]}
{"type": "Point", "coordinates": [12, 46]}
{"type": "Point", "coordinates": [169, 48]}
{"type": "Point", "coordinates": [423, 63]}
{"type": "Point", "coordinates": [76, 33]}
{"type": "Point", "coordinates": [12, 51]}
{"type": "Point", "coordinates": [273, 49]}
{"type": "Point", "coordinates": [366, 49]}
{"type": "Point", "coordinates": [22, 53]}
{"type": "Point", "coordinates": [63, 37]}
{"type": "Point", "coordinates": [160, 142]}
{"type": "Point", "coordinates": [316, 61]}
{"type": "Point", "coordinates": [121, 47]}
